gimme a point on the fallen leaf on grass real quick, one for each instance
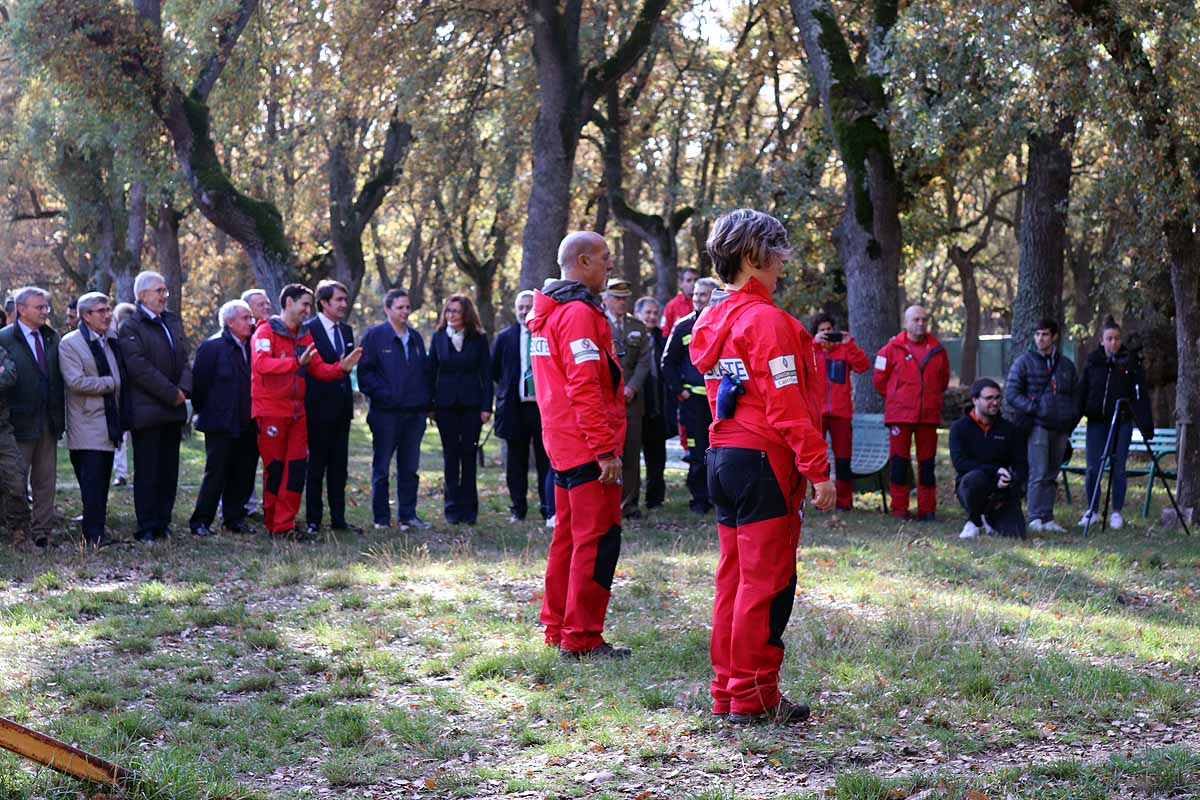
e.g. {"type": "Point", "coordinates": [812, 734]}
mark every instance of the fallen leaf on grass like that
{"type": "Point", "coordinates": [430, 783]}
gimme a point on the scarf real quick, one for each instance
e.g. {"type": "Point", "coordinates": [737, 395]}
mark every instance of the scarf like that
{"type": "Point", "coordinates": [111, 416]}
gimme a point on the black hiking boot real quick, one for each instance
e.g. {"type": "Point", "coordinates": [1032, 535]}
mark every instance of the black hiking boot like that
{"type": "Point", "coordinates": [603, 650]}
{"type": "Point", "coordinates": [785, 713]}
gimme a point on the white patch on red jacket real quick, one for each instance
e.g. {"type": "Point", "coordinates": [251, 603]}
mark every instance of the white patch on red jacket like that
{"type": "Point", "coordinates": [585, 350]}
{"type": "Point", "coordinates": [262, 345]}
{"type": "Point", "coordinates": [539, 346]}
{"type": "Point", "coordinates": [783, 371]}
{"type": "Point", "coordinates": [880, 362]}
{"type": "Point", "coordinates": [728, 366]}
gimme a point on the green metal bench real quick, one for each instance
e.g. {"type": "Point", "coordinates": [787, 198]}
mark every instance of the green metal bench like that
{"type": "Point", "coordinates": [869, 452]}
{"type": "Point", "coordinates": [1162, 447]}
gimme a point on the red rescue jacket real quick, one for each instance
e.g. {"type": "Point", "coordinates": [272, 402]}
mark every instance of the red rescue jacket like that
{"type": "Point", "coordinates": [276, 377]}
{"type": "Point", "coordinates": [676, 309]}
{"type": "Point", "coordinates": [747, 335]}
{"type": "Point", "coordinates": [580, 392]}
{"type": "Point", "coordinates": [833, 376]}
{"type": "Point", "coordinates": [912, 378]}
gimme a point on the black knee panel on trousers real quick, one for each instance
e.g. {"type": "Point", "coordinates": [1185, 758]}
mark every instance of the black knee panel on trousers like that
{"type": "Point", "coordinates": [925, 474]}
{"type": "Point", "coordinates": [272, 477]}
{"type": "Point", "coordinates": [842, 469]}
{"type": "Point", "coordinates": [297, 473]}
{"type": "Point", "coordinates": [781, 612]}
{"type": "Point", "coordinates": [577, 476]}
{"type": "Point", "coordinates": [900, 470]}
{"type": "Point", "coordinates": [608, 550]}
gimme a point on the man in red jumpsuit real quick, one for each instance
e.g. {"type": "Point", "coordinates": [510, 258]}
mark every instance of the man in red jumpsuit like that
{"type": "Point", "coordinates": [581, 397]}
{"type": "Point", "coordinates": [837, 356]}
{"type": "Point", "coordinates": [282, 353]}
{"type": "Point", "coordinates": [766, 447]}
{"type": "Point", "coordinates": [680, 305]}
{"type": "Point", "coordinates": [911, 372]}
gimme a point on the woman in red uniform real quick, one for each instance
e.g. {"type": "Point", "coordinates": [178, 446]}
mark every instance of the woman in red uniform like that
{"type": "Point", "coordinates": [837, 356]}
{"type": "Point", "coordinates": [765, 447]}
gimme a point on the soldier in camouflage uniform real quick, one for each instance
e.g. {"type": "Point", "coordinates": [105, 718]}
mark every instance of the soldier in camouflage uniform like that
{"type": "Point", "coordinates": [14, 505]}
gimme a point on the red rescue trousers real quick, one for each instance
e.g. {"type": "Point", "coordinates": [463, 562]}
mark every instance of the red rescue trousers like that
{"type": "Point", "coordinates": [583, 558]}
{"type": "Point", "coordinates": [900, 440]}
{"type": "Point", "coordinates": [283, 443]}
{"type": "Point", "coordinates": [758, 498]}
{"type": "Point", "coordinates": [842, 436]}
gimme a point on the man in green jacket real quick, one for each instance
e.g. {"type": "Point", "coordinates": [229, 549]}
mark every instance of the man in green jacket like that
{"type": "Point", "coordinates": [35, 402]}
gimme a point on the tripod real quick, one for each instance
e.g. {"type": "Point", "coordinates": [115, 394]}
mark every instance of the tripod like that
{"type": "Point", "coordinates": [1110, 444]}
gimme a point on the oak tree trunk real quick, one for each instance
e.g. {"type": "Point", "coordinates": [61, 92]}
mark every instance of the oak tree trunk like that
{"type": "Point", "coordinates": [1043, 234]}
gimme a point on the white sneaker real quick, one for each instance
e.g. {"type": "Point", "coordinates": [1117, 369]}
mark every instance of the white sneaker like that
{"type": "Point", "coordinates": [969, 531]}
{"type": "Point", "coordinates": [1088, 518]}
{"type": "Point", "coordinates": [379, 526]}
{"type": "Point", "coordinates": [987, 526]}
{"type": "Point", "coordinates": [1035, 525]}
{"type": "Point", "coordinates": [1115, 520]}
{"type": "Point", "coordinates": [1050, 526]}
{"type": "Point", "coordinates": [550, 522]}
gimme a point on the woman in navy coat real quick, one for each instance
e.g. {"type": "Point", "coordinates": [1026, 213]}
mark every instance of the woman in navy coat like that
{"type": "Point", "coordinates": [462, 401]}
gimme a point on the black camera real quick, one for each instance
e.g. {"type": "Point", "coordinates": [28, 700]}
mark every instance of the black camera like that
{"type": "Point", "coordinates": [834, 336]}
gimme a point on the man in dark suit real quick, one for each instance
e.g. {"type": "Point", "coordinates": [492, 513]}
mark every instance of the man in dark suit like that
{"type": "Point", "coordinates": [330, 409]}
{"type": "Point", "coordinates": [221, 400]}
{"type": "Point", "coordinates": [654, 426]}
{"type": "Point", "coordinates": [36, 402]}
{"type": "Point", "coordinates": [518, 420]}
{"type": "Point", "coordinates": [158, 366]}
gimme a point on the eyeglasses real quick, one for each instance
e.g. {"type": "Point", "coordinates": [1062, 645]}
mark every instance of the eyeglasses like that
{"type": "Point", "coordinates": [101, 310]}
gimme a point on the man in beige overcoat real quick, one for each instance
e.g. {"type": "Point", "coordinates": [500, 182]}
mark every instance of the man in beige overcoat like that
{"type": "Point", "coordinates": [91, 368]}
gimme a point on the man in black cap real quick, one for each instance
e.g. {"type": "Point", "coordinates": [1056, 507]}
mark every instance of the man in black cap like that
{"type": "Point", "coordinates": [634, 350]}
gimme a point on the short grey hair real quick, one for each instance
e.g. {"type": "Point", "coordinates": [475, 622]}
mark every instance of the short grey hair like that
{"type": "Point", "coordinates": [745, 233]}
{"type": "Point", "coordinates": [122, 312]}
{"type": "Point", "coordinates": [712, 284]}
{"type": "Point", "coordinates": [229, 309]}
{"type": "Point", "coordinates": [521, 295]}
{"type": "Point", "coordinates": [643, 302]}
{"type": "Point", "coordinates": [143, 280]}
{"type": "Point", "coordinates": [89, 301]}
{"type": "Point", "coordinates": [246, 295]}
{"type": "Point", "coordinates": [25, 293]}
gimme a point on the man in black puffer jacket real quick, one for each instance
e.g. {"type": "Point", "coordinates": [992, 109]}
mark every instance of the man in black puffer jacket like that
{"type": "Point", "coordinates": [989, 462]}
{"type": "Point", "coordinates": [1112, 373]}
{"type": "Point", "coordinates": [1042, 387]}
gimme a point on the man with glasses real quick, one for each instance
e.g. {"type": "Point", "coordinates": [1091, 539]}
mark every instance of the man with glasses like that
{"type": "Point", "coordinates": [159, 372]}
{"type": "Point", "coordinates": [91, 371]}
{"type": "Point", "coordinates": [989, 458]}
{"type": "Point", "coordinates": [35, 401]}
{"type": "Point", "coordinates": [911, 372]}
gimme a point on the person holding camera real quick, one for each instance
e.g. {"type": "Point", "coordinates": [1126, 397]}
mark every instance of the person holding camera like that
{"type": "Point", "coordinates": [837, 356]}
{"type": "Point", "coordinates": [989, 458]}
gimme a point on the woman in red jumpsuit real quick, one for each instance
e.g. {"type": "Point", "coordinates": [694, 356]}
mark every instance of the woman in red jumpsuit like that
{"type": "Point", "coordinates": [765, 447]}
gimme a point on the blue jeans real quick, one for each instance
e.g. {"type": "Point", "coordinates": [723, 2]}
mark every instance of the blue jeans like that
{"type": "Point", "coordinates": [395, 433]}
{"type": "Point", "coordinates": [1097, 433]}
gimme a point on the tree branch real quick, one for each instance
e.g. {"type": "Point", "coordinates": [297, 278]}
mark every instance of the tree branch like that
{"type": "Point", "coordinates": [228, 36]}
{"type": "Point", "coordinates": [599, 77]}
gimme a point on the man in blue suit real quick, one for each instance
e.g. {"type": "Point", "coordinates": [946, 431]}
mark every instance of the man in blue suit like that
{"type": "Point", "coordinates": [518, 421]}
{"type": "Point", "coordinates": [329, 406]}
{"type": "Point", "coordinates": [221, 400]}
{"type": "Point", "coordinates": [394, 374]}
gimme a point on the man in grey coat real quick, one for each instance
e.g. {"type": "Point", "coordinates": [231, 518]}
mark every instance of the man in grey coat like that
{"type": "Point", "coordinates": [91, 371]}
{"type": "Point", "coordinates": [1041, 387]}
{"type": "Point", "coordinates": [159, 378]}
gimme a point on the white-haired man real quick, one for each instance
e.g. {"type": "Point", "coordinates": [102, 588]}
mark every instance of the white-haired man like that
{"type": "Point", "coordinates": [261, 309]}
{"type": "Point", "coordinates": [159, 372]}
{"type": "Point", "coordinates": [35, 402]}
{"type": "Point", "coordinates": [518, 421]}
{"type": "Point", "coordinates": [221, 402]}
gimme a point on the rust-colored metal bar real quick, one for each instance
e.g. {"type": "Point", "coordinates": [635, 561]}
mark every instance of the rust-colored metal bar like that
{"type": "Point", "coordinates": [59, 756]}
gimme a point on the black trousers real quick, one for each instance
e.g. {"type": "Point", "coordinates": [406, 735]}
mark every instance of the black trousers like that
{"type": "Point", "coordinates": [516, 470]}
{"type": "Point", "coordinates": [459, 429]}
{"type": "Point", "coordinates": [979, 495]}
{"type": "Point", "coordinates": [230, 464]}
{"type": "Point", "coordinates": [93, 470]}
{"type": "Point", "coordinates": [155, 476]}
{"type": "Point", "coordinates": [654, 451]}
{"type": "Point", "coordinates": [695, 416]}
{"type": "Point", "coordinates": [328, 462]}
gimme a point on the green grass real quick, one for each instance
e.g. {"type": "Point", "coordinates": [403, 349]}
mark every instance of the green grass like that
{"type": "Point", "coordinates": [241, 668]}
